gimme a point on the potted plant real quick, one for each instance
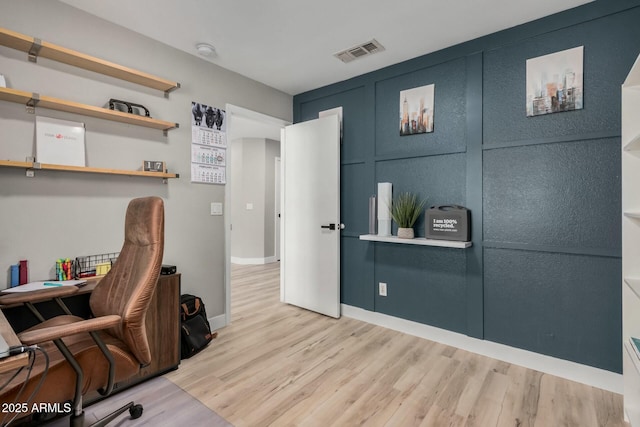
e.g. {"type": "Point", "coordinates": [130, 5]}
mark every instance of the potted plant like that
{"type": "Point", "coordinates": [405, 211]}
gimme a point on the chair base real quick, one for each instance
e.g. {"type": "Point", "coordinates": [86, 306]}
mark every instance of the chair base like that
{"type": "Point", "coordinates": [135, 411]}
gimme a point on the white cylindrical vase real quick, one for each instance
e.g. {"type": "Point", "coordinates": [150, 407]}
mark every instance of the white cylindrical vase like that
{"type": "Point", "coordinates": [384, 204]}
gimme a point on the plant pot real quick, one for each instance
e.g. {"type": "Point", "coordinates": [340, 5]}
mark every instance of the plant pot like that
{"type": "Point", "coordinates": [405, 233]}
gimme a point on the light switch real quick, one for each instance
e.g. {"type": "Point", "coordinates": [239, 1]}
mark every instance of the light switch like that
{"type": "Point", "coordinates": [249, 206]}
{"type": "Point", "coordinates": [216, 208]}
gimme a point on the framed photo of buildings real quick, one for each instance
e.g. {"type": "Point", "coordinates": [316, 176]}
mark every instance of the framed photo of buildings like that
{"type": "Point", "coordinates": [416, 110]}
{"type": "Point", "coordinates": [554, 82]}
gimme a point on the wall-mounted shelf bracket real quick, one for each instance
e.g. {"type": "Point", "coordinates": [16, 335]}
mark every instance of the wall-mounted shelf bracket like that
{"type": "Point", "coordinates": [165, 132]}
{"type": "Point", "coordinates": [168, 91]}
{"type": "Point", "coordinates": [34, 50]}
{"type": "Point", "coordinates": [32, 164]}
{"type": "Point", "coordinates": [31, 103]}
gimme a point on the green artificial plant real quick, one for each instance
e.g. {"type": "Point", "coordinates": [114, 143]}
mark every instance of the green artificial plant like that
{"type": "Point", "coordinates": [406, 209]}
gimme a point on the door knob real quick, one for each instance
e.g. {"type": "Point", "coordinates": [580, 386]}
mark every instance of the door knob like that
{"type": "Point", "coordinates": [333, 226]}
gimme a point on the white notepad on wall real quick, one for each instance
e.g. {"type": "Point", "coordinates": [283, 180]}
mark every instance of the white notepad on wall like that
{"type": "Point", "coordinates": [59, 142]}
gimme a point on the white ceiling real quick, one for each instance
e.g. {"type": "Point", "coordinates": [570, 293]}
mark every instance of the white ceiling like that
{"type": "Point", "coordinates": [289, 44]}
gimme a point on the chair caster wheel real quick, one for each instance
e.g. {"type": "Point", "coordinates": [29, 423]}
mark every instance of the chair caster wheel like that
{"type": "Point", "coordinates": [135, 411]}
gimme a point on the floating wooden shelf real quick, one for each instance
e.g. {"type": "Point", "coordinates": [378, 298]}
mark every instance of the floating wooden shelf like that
{"type": "Point", "coordinates": [32, 100]}
{"type": "Point", "coordinates": [417, 241]}
{"type": "Point", "coordinates": [14, 95]}
{"type": "Point", "coordinates": [35, 48]}
{"type": "Point", "coordinates": [84, 169]}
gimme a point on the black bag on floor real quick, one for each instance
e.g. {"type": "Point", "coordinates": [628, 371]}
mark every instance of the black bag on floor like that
{"type": "Point", "coordinates": [196, 332]}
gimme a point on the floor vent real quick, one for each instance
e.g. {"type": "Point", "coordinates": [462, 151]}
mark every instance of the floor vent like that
{"type": "Point", "coordinates": [364, 49]}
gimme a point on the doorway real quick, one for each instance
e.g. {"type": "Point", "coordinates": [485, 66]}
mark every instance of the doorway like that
{"type": "Point", "coordinates": [246, 212]}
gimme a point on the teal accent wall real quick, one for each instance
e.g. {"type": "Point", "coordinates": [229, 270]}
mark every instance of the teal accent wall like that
{"type": "Point", "coordinates": [544, 271]}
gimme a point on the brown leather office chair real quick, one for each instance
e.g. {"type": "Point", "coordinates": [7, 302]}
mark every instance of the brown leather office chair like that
{"type": "Point", "coordinates": [92, 355]}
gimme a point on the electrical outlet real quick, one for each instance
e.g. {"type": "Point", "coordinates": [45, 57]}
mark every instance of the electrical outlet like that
{"type": "Point", "coordinates": [382, 289]}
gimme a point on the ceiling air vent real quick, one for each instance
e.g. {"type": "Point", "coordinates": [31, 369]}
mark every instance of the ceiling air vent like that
{"type": "Point", "coordinates": [359, 51]}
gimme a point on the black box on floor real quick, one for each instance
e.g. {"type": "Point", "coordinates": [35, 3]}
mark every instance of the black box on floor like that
{"type": "Point", "coordinates": [448, 223]}
{"type": "Point", "coordinates": [168, 269]}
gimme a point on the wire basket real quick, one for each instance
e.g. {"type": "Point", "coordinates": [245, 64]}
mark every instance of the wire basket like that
{"type": "Point", "coordinates": [94, 265]}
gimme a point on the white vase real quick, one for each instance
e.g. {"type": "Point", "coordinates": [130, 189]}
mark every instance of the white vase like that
{"type": "Point", "coordinates": [405, 233]}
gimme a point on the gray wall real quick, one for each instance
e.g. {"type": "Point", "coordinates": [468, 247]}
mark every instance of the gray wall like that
{"type": "Point", "coordinates": [272, 150]}
{"type": "Point", "coordinates": [58, 215]}
{"type": "Point", "coordinates": [252, 238]}
{"type": "Point", "coordinates": [544, 270]}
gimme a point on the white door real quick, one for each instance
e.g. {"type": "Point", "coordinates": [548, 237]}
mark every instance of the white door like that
{"type": "Point", "coordinates": [310, 266]}
{"type": "Point", "coordinates": [277, 207]}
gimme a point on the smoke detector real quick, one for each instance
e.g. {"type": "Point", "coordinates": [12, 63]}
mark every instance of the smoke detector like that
{"type": "Point", "coordinates": [359, 51]}
{"type": "Point", "coordinates": [205, 49]}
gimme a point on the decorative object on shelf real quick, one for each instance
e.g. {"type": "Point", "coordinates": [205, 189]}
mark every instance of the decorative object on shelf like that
{"type": "Point", "coordinates": [384, 205]}
{"type": "Point", "coordinates": [3, 82]}
{"type": "Point", "coordinates": [449, 222]}
{"type": "Point", "coordinates": [405, 211]}
{"type": "Point", "coordinates": [153, 166]}
{"type": "Point", "coordinates": [128, 107]}
{"type": "Point", "coordinates": [59, 142]}
{"type": "Point", "coordinates": [554, 82]}
{"type": "Point", "coordinates": [416, 110]}
{"type": "Point", "coordinates": [372, 214]}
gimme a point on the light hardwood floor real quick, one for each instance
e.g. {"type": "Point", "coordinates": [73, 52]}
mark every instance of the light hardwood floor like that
{"type": "Point", "coordinates": [284, 366]}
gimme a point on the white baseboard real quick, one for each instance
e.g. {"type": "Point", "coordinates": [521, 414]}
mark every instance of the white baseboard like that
{"type": "Point", "coordinates": [573, 371]}
{"type": "Point", "coordinates": [217, 322]}
{"type": "Point", "coordinates": [253, 261]}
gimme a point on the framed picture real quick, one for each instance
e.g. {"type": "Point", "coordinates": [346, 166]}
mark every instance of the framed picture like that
{"type": "Point", "coordinates": [554, 82]}
{"type": "Point", "coordinates": [416, 110]}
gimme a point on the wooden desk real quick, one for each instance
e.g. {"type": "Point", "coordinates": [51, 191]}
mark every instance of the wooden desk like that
{"type": "Point", "coordinates": [12, 362]}
{"type": "Point", "coordinates": [162, 323]}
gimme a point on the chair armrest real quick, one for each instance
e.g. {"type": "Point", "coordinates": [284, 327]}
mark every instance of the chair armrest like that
{"type": "Point", "coordinates": [37, 296]}
{"type": "Point", "coordinates": [54, 332]}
